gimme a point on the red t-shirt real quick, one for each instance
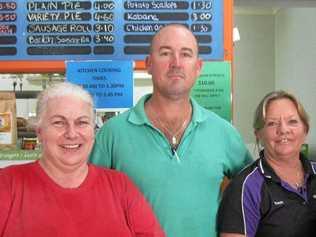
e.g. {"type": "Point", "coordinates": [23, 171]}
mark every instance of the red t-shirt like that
{"type": "Point", "coordinates": [107, 203]}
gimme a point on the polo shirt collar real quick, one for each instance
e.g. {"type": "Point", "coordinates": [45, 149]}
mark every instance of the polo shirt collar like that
{"type": "Point", "coordinates": [269, 173]}
{"type": "Point", "coordinates": [138, 115]}
{"type": "Point", "coordinates": [199, 113]}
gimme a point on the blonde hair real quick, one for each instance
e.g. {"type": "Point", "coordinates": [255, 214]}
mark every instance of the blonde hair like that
{"type": "Point", "coordinates": [260, 113]}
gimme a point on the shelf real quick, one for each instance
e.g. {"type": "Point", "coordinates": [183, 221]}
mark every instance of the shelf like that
{"type": "Point", "coordinates": [26, 94]}
{"type": "Point", "coordinates": [26, 134]}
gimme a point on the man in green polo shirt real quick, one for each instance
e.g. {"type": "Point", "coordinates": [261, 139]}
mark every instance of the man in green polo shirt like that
{"type": "Point", "coordinates": [175, 151]}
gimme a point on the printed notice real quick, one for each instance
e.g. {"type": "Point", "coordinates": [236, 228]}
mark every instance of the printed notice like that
{"type": "Point", "coordinates": [109, 82]}
{"type": "Point", "coordinates": [212, 90]}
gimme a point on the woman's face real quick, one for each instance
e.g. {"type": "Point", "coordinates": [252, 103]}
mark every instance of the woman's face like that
{"type": "Point", "coordinates": [283, 132]}
{"type": "Point", "coordinates": [66, 132]}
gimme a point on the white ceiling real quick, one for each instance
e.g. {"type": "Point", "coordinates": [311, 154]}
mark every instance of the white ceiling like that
{"type": "Point", "coordinates": [265, 7]}
{"type": "Point", "coordinates": [275, 3]}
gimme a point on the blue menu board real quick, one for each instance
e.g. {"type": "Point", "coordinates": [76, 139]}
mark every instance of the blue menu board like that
{"type": "Point", "coordinates": [98, 29]}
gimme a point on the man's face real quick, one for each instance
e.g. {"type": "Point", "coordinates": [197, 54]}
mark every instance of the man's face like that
{"type": "Point", "coordinates": [173, 62]}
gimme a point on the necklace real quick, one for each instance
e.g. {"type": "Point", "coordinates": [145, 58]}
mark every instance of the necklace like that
{"type": "Point", "coordinates": [173, 135]}
{"type": "Point", "coordinates": [300, 181]}
{"type": "Point", "coordinates": [294, 177]}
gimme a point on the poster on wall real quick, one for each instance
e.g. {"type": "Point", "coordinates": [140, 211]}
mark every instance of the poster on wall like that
{"type": "Point", "coordinates": [212, 89]}
{"type": "Point", "coordinates": [109, 82]}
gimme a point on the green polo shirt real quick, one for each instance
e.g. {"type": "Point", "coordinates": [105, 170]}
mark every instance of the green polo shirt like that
{"type": "Point", "coordinates": [184, 192]}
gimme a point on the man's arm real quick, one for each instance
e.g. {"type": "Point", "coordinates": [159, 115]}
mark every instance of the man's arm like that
{"type": "Point", "coordinates": [140, 216]}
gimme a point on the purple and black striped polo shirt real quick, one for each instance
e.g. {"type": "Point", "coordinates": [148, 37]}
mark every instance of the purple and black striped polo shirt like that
{"type": "Point", "coordinates": [258, 203]}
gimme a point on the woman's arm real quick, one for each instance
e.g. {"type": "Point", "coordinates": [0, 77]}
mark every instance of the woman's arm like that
{"type": "Point", "coordinates": [231, 235]}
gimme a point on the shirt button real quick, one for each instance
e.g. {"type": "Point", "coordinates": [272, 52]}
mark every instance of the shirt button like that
{"type": "Point", "coordinates": [304, 203]}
